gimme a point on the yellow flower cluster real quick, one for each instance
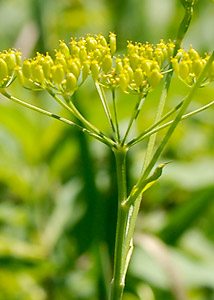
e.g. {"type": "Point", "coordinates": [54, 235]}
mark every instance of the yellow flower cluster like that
{"type": "Point", "coordinates": [10, 62]}
{"type": "Point", "coordinates": [188, 65]}
{"type": "Point", "coordinates": [141, 69]}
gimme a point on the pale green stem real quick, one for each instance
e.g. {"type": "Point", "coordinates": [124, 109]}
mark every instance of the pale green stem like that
{"type": "Point", "coordinates": [151, 131]}
{"type": "Point", "coordinates": [105, 106]}
{"type": "Point", "coordinates": [180, 36]}
{"type": "Point", "coordinates": [152, 139]}
{"type": "Point", "coordinates": [138, 106]}
{"type": "Point", "coordinates": [63, 104]}
{"type": "Point", "coordinates": [118, 281]}
{"type": "Point", "coordinates": [52, 115]}
{"type": "Point", "coordinates": [138, 138]}
{"type": "Point", "coordinates": [71, 107]}
{"type": "Point", "coordinates": [115, 116]}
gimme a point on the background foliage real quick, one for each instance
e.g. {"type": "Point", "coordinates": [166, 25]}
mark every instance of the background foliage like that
{"type": "Point", "coordinates": [58, 187]}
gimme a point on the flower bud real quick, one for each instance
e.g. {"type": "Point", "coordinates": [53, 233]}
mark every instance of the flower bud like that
{"type": "Point", "coordinates": [130, 48]}
{"type": "Point", "coordinates": [179, 54]}
{"type": "Point", "coordinates": [163, 48]}
{"type": "Point", "coordinates": [159, 57]}
{"type": "Point", "coordinates": [197, 66]}
{"type": "Point", "coordinates": [183, 70]}
{"type": "Point", "coordinates": [123, 81]}
{"type": "Point", "coordinates": [95, 70]}
{"type": "Point", "coordinates": [26, 68]}
{"type": "Point", "coordinates": [64, 49]}
{"type": "Point", "coordinates": [175, 66]}
{"type": "Point", "coordinates": [119, 65]}
{"type": "Point", "coordinates": [71, 82]}
{"type": "Point", "coordinates": [170, 50]}
{"type": "Point", "coordinates": [154, 78]}
{"type": "Point", "coordinates": [10, 60]}
{"type": "Point", "coordinates": [101, 40]}
{"type": "Point", "coordinates": [97, 55]}
{"type": "Point", "coordinates": [149, 51]}
{"type": "Point", "coordinates": [20, 76]}
{"type": "Point", "coordinates": [38, 74]}
{"type": "Point", "coordinates": [74, 49]}
{"type": "Point", "coordinates": [112, 41]}
{"type": "Point", "coordinates": [3, 69]}
{"type": "Point", "coordinates": [134, 60]}
{"type": "Point", "coordinates": [138, 77]}
{"type": "Point", "coordinates": [130, 72]}
{"type": "Point", "coordinates": [193, 53]}
{"type": "Point", "coordinates": [91, 43]}
{"type": "Point", "coordinates": [57, 74]}
{"type": "Point", "coordinates": [47, 67]}
{"type": "Point", "coordinates": [82, 53]}
{"type": "Point", "coordinates": [85, 70]}
{"type": "Point", "coordinates": [107, 63]}
{"type": "Point", "coordinates": [18, 58]}
{"type": "Point", "coordinates": [74, 68]}
{"type": "Point", "coordinates": [60, 60]}
{"type": "Point", "coordinates": [146, 65]}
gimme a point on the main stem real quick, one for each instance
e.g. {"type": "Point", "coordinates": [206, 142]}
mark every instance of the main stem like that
{"type": "Point", "coordinates": [118, 281]}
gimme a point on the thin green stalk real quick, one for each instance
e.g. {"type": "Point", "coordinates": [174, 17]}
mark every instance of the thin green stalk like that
{"type": "Point", "coordinates": [63, 104]}
{"type": "Point", "coordinates": [80, 117]}
{"type": "Point", "coordinates": [138, 106]}
{"type": "Point", "coordinates": [118, 281]}
{"type": "Point", "coordinates": [105, 106]}
{"type": "Point", "coordinates": [52, 115]}
{"type": "Point", "coordinates": [115, 116]}
{"type": "Point", "coordinates": [151, 131]}
{"type": "Point", "coordinates": [189, 7]}
{"type": "Point", "coordinates": [72, 109]}
{"type": "Point", "coordinates": [180, 36]}
{"type": "Point", "coordinates": [167, 115]}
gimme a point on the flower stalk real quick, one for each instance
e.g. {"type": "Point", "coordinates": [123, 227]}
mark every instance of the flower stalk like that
{"type": "Point", "coordinates": [118, 281]}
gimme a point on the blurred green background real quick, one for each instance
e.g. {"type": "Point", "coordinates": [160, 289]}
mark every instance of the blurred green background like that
{"type": "Point", "coordinates": [58, 187]}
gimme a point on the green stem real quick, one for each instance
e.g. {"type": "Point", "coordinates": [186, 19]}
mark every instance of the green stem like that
{"type": "Point", "coordinates": [105, 106]}
{"type": "Point", "coordinates": [138, 106]}
{"type": "Point", "coordinates": [180, 36]}
{"type": "Point", "coordinates": [118, 281]}
{"type": "Point", "coordinates": [157, 119]}
{"type": "Point", "coordinates": [184, 24]}
{"type": "Point", "coordinates": [151, 131]}
{"type": "Point", "coordinates": [79, 116]}
{"type": "Point", "coordinates": [115, 116]}
{"type": "Point", "coordinates": [52, 115]}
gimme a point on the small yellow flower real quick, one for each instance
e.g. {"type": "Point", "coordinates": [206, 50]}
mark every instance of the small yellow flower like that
{"type": "Point", "coordinates": [112, 41]}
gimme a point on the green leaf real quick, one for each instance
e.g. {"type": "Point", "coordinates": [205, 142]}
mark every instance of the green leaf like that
{"type": "Point", "coordinates": [141, 187]}
{"type": "Point", "coordinates": [155, 176]}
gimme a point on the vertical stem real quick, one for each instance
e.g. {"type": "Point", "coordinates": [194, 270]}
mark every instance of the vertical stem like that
{"type": "Point", "coordinates": [180, 36]}
{"type": "Point", "coordinates": [118, 281]}
{"type": "Point", "coordinates": [115, 115]}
